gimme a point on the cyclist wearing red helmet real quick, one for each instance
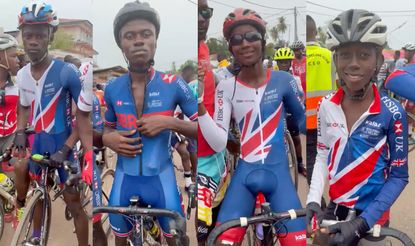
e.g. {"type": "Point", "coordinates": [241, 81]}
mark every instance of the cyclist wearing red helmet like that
{"type": "Point", "coordinates": [257, 100]}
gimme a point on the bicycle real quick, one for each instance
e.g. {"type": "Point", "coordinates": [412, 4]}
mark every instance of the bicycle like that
{"type": "Point", "coordinates": [292, 158]}
{"type": "Point", "coordinates": [106, 178]}
{"type": "Point", "coordinates": [41, 194]}
{"type": "Point", "coordinates": [266, 217]}
{"type": "Point", "coordinates": [411, 141]}
{"type": "Point", "coordinates": [143, 222]}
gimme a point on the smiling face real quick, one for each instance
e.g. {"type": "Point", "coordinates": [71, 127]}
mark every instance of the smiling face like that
{"type": "Point", "coordinates": [138, 41]}
{"type": "Point", "coordinates": [284, 65]}
{"type": "Point", "coordinates": [356, 63]}
{"type": "Point", "coordinates": [247, 53]}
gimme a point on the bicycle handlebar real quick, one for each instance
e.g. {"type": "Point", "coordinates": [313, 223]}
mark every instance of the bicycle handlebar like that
{"type": "Point", "coordinates": [378, 231]}
{"type": "Point", "coordinates": [244, 221]}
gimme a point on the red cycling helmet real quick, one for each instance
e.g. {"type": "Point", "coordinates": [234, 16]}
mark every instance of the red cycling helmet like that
{"type": "Point", "coordinates": [242, 16]}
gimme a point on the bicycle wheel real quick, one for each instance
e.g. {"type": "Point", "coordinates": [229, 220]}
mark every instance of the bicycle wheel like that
{"type": "Point", "coordinates": [292, 159]}
{"type": "Point", "coordinates": [411, 142]}
{"type": "Point", "coordinates": [86, 198]}
{"type": "Point", "coordinates": [25, 228]}
{"type": "Point", "coordinates": [107, 177]}
{"type": "Point", "coordinates": [1, 217]}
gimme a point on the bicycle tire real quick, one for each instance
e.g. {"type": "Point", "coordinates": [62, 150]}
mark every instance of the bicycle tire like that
{"type": "Point", "coordinates": [292, 159]}
{"type": "Point", "coordinates": [1, 218]}
{"type": "Point", "coordinates": [22, 233]}
{"type": "Point", "coordinates": [401, 236]}
{"type": "Point", "coordinates": [105, 201]}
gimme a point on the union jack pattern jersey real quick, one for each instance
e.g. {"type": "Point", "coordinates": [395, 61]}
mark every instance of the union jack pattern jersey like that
{"type": "Point", "coordinates": [51, 96]}
{"type": "Point", "coordinates": [402, 82]}
{"type": "Point", "coordinates": [259, 113]}
{"type": "Point", "coordinates": [367, 167]}
{"type": "Point", "coordinates": [163, 93]}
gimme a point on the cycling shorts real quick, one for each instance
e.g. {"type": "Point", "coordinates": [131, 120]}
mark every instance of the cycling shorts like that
{"type": "Point", "coordinates": [159, 191]}
{"type": "Point", "coordinates": [274, 181]}
{"type": "Point", "coordinates": [50, 143]}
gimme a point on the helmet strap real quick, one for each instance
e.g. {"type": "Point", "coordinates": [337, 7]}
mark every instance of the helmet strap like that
{"type": "Point", "coordinates": [139, 69]}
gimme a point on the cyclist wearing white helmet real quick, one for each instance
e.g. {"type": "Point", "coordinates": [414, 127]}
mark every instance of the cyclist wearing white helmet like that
{"type": "Point", "coordinates": [9, 64]}
{"type": "Point", "coordinates": [362, 145]}
{"type": "Point", "coordinates": [299, 63]}
{"type": "Point", "coordinates": [408, 58]}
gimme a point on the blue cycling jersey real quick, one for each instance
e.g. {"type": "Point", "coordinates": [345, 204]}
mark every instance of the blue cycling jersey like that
{"type": "Point", "coordinates": [402, 82]}
{"type": "Point", "coordinates": [163, 93]}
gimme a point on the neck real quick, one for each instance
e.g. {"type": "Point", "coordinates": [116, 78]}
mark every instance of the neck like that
{"type": "Point", "coordinates": [253, 75]}
{"type": "Point", "coordinates": [139, 77]}
{"type": "Point", "coordinates": [3, 75]}
{"type": "Point", "coordinates": [311, 39]}
{"type": "Point", "coordinates": [42, 65]}
{"type": "Point", "coordinates": [367, 99]}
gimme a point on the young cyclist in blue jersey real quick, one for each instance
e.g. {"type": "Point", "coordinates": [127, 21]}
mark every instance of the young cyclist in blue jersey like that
{"type": "Point", "coordinates": [257, 99]}
{"type": "Point", "coordinates": [47, 87]}
{"type": "Point", "coordinates": [362, 134]}
{"type": "Point", "coordinates": [141, 104]}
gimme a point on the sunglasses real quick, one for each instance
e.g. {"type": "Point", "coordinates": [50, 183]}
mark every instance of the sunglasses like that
{"type": "Point", "coordinates": [206, 13]}
{"type": "Point", "coordinates": [237, 39]}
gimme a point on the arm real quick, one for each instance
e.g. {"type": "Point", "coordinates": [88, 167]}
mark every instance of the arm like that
{"type": "Point", "coordinates": [84, 127]}
{"type": "Point", "coordinates": [398, 174]}
{"type": "Point", "coordinates": [292, 102]}
{"type": "Point", "coordinates": [320, 172]}
{"type": "Point", "coordinates": [23, 113]}
{"type": "Point", "coordinates": [215, 130]}
{"type": "Point", "coordinates": [402, 82]}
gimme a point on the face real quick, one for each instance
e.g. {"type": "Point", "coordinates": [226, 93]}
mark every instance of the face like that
{"type": "Point", "coordinates": [409, 54]}
{"type": "Point", "coordinates": [396, 56]}
{"type": "Point", "coordinates": [284, 65]}
{"type": "Point", "coordinates": [247, 53]}
{"type": "Point", "coordinates": [36, 39]}
{"type": "Point", "coordinates": [298, 53]}
{"type": "Point", "coordinates": [356, 63]}
{"type": "Point", "coordinates": [203, 23]}
{"type": "Point", "coordinates": [138, 41]}
{"type": "Point", "coordinates": [11, 59]}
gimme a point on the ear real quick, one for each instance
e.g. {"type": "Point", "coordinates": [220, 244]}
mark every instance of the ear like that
{"type": "Point", "coordinates": [379, 61]}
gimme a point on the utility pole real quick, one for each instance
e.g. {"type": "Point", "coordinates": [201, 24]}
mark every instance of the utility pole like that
{"type": "Point", "coordinates": [295, 24]}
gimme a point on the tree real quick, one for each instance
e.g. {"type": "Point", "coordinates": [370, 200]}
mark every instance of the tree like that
{"type": "Point", "coordinates": [218, 46]}
{"type": "Point", "coordinates": [269, 50]}
{"type": "Point", "coordinates": [321, 35]}
{"type": "Point", "coordinates": [274, 34]}
{"type": "Point", "coordinates": [281, 26]}
{"type": "Point", "coordinates": [62, 41]}
{"type": "Point", "coordinates": [188, 62]}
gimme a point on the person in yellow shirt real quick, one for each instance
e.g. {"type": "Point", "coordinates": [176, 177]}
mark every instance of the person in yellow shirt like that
{"type": "Point", "coordinates": [223, 62]}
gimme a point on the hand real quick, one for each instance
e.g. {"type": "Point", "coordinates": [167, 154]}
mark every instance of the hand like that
{"type": "Point", "coordinates": [313, 209]}
{"type": "Point", "coordinates": [88, 165]}
{"type": "Point", "coordinates": [20, 143]}
{"type": "Point", "coordinates": [348, 233]}
{"type": "Point", "coordinates": [152, 125]}
{"type": "Point", "coordinates": [122, 143]}
{"type": "Point", "coordinates": [60, 156]}
{"type": "Point", "coordinates": [200, 91]}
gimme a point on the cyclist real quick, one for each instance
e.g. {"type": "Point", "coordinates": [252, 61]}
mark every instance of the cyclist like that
{"type": "Point", "coordinates": [299, 63]}
{"type": "Point", "coordinates": [46, 88]}
{"type": "Point", "coordinates": [256, 98]}
{"type": "Point", "coordinates": [141, 103]}
{"type": "Point", "coordinates": [408, 58]}
{"type": "Point", "coordinates": [362, 143]}
{"type": "Point", "coordinates": [284, 57]}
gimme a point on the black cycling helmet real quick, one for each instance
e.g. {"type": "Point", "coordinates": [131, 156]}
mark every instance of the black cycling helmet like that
{"type": "Point", "coordinates": [356, 25]}
{"type": "Point", "coordinates": [135, 10]}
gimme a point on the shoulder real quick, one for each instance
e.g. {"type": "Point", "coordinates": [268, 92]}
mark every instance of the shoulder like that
{"type": "Point", "coordinates": [391, 106]}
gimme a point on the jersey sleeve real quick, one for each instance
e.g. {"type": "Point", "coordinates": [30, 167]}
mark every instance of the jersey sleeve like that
{"type": "Point", "coordinates": [186, 100]}
{"type": "Point", "coordinates": [402, 82]}
{"type": "Point", "coordinates": [86, 94]}
{"type": "Point", "coordinates": [292, 102]}
{"type": "Point", "coordinates": [320, 172]}
{"type": "Point", "coordinates": [398, 169]}
{"type": "Point", "coordinates": [23, 100]}
{"type": "Point", "coordinates": [215, 130]}
{"type": "Point", "coordinates": [70, 77]}
{"type": "Point", "coordinates": [97, 122]}
{"type": "Point", "coordinates": [110, 117]}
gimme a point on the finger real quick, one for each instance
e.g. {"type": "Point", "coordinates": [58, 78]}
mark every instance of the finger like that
{"type": "Point", "coordinates": [130, 140]}
{"type": "Point", "coordinates": [336, 239]}
{"type": "Point", "coordinates": [127, 133]}
{"type": "Point", "coordinates": [127, 153]}
{"type": "Point", "coordinates": [130, 147]}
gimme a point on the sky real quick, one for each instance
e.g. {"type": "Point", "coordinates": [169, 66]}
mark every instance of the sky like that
{"type": "Point", "coordinates": [397, 36]}
{"type": "Point", "coordinates": [177, 41]}
{"type": "Point", "coordinates": [270, 10]}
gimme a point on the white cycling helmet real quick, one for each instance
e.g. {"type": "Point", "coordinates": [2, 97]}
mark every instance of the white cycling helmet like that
{"type": "Point", "coordinates": [356, 25]}
{"type": "Point", "coordinates": [409, 47]}
{"type": "Point", "coordinates": [7, 41]}
{"type": "Point", "coordinates": [38, 12]}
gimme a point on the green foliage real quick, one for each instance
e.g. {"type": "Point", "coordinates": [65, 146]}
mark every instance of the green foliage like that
{"type": "Point", "coordinates": [62, 41]}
